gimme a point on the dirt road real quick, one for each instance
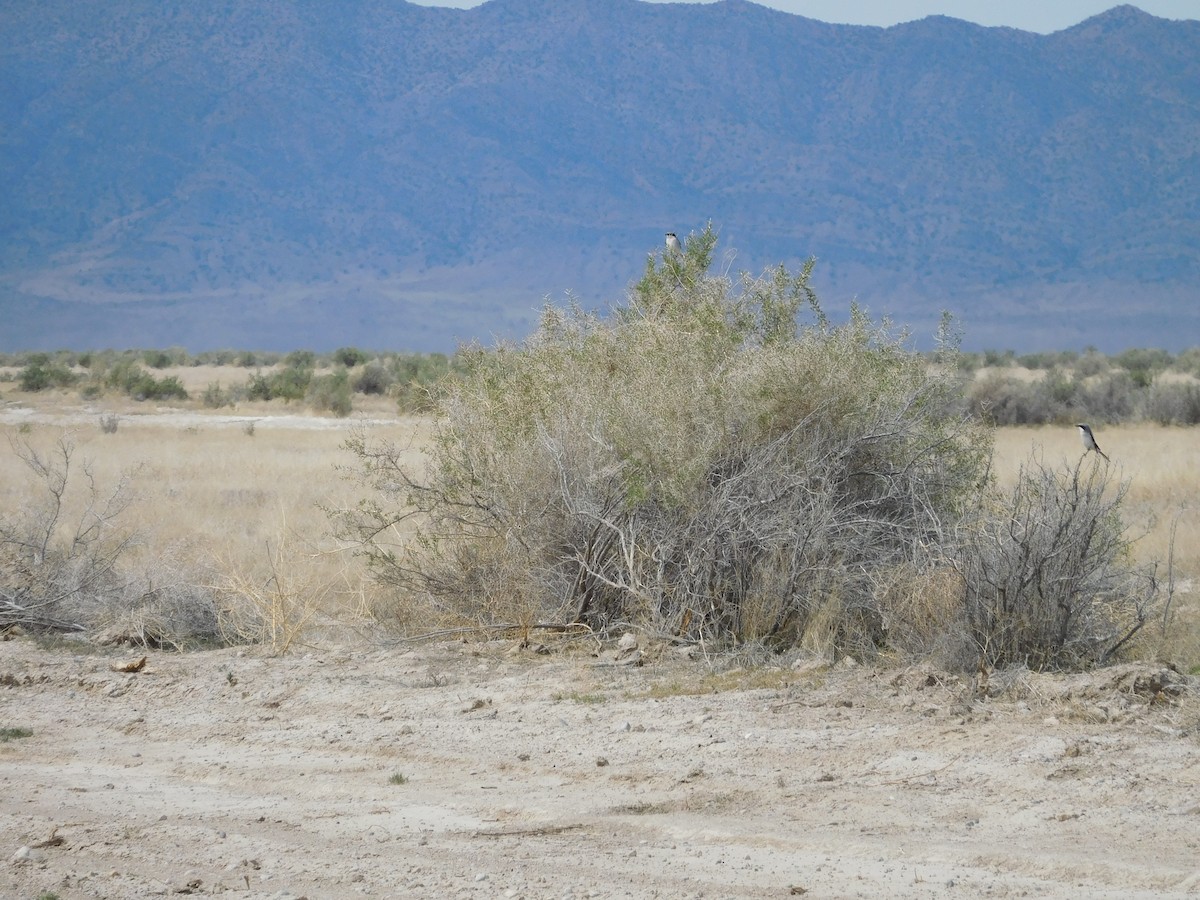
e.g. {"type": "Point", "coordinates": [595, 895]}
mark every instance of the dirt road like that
{"type": "Point", "coordinates": [478, 770]}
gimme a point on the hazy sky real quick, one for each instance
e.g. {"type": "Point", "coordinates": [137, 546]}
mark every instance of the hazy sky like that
{"type": "Point", "coordinates": [1031, 15]}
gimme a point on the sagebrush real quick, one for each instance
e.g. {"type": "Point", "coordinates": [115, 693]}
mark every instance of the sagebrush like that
{"type": "Point", "coordinates": [697, 464]}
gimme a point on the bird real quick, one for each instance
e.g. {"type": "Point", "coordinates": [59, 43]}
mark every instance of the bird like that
{"type": "Point", "coordinates": [673, 245]}
{"type": "Point", "coordinates": [1089, 441]}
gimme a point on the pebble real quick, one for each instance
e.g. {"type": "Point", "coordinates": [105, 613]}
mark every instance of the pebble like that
{"type": "Point", "coordinates": [24, 854]}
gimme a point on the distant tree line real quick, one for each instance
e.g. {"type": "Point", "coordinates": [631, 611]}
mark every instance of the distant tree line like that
{"type": "Point", "coordinates": [999, 387]}
{"type": "Point", "coordinates": [326, 381]}
{"type": "Point", "coordinates": [1136, 385]}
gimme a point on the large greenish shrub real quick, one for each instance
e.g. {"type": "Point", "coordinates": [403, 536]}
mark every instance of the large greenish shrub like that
{"type": "Point", "coordinates": [291, 382]}
{"type": "Point", "coordinates": [350, 357]}
{"type": "Point", "coordinates": [1174, 403]}
{"type": "Point", "coordinates": [131, 379]}
{"type": "Point", "coordinates": [418, 379]}
{"type": "Point", "coordinates": [331, 392]}
{"type": "Point", "coordinates": [42, 372]}
{"type": "Point", "coordinates": [373, 379]}
{"type": "Point", "coordinates": [696, 463]}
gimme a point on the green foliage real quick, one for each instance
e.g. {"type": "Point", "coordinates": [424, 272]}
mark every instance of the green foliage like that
{"type": "Point", "coordinates": [1094, 392]}
{"type": "Point", "coordinates": [350, 357]}
{"type": "Point", "coordinates": [288, 383]}
{"type": "Point", "coordinates": [373, 379]}
{"type": "Point", "coordinates": [41, 373]}
{"type": "Point", "coordinates": [300, 359]}
{"type": "Point", "coordinates": [214, 397]}
{"type": "Point", "coordinates": [1188, 361]}
{"type": "Point", "coordinates": [698, 463]}
{"type": "Point", "coordinates": [417, 380]}
{"type": "Point", "coordinates": [1143, 363]}
{"type": "Point", "coordinates": [157, 359]}
{"type": "Point", "coordinates": [9, 733]}
{"type": "Point", "coordinates": [1174, 404]}
{"type": "Point", "coordinates": [131, 379]}
{"type": "Point", "coordinates": [331, 392]}
{"type": "Point", "coordinates": [998, 358]}
{"type": "Point", "coordinates": [1048, 360]}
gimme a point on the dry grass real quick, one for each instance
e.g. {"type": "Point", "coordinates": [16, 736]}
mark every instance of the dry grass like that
{"type": "Point", "coordinates": [244, 505]}
{"type": "Point", "coordinates": [1163, 466]}
{"type": "Point", "coordinates": [236, 507]}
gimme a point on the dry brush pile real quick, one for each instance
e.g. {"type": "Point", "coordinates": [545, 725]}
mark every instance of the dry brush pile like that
{"type": "Point", "coordinates": [700, 465]}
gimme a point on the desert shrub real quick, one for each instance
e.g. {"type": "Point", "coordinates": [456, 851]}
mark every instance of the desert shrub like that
{"type": "Point", "coordinates": [68, 559]}
{"type": "Point", "coordinates": [418, 379]}
{"type": "Point", "coordinates": [1048, 359]}
{"type": "Point", "coordinates": [288, 383]}
{"type": "Point", "coordinates": [214, 397]}
{"type": "Point", "coordinates": [1176, 403]}
{"type": "Point", "coordinates": [1047, 583]}
{"type": "Point", "coordinates": [162, 359]}
{"type": "Point", "coordinates": [300, 359]}
{"type": "Point", "coordinates": [1091, 363]}
{"type": "Point", "coordinates": [109, 423]}
{"type": "Point", "coordinates": [696, 463]}
{"type": "Point", "coordinates": [225, 357]}
{"type": "Point", "coordinates": [56, 563]}
{"type": "Point", "coordinates": [1000, 399]}
{"type": "Point", "coordinates": [1188, 362]}
{"type": "Point", "coordinates": [1143, 364]}
{"type": "Point", "coordinates": [1057, 397]}
{"type": "Point", "coordinates": [350, 357]}
{"type": "Point", "coordinates": [1112, 398]}
{"type": "Point", "coordinates": [331, 392]}
{"type": "Point", "coordinates": [131, 379]}
{"type": "Point", "coordinates": [258, 387]}
{"type": "Point", "coordinates": [373, 379]}
{"type": "Point", "coordinates": [969, 363]}
{"type": "Point", "coordinates": [169, 388]}
{"type": "Point", "coordinates": [999, 359]}
{"type": "Point", "coordinates": [41, 373]}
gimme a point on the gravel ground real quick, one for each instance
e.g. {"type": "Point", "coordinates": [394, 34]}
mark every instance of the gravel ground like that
{"type": "Point", "coordinates": [495, 770]}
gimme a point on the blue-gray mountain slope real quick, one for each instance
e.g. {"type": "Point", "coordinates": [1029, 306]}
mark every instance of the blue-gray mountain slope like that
{"type": "Point", "coordinates": [279, 174]}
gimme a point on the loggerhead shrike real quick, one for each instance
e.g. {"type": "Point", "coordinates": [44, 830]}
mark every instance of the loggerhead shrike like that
{"type": "Point", "coordinates": [1089, 441]}
{"type": "Point", "coordinates": [673, 245]}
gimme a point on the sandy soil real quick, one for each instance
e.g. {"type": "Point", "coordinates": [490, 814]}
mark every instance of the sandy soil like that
{"type": "Point", "coordinates": [580, 773]}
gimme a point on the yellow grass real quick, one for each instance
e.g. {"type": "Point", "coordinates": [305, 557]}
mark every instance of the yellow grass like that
{"type": "Point", "coordinates": [1161, 464]}
{"type": "Point", "coordinates": [1163, 469]}
{"type": "Point", "coordinates": [231, 501]}
{"type": "Point", "coordinates": [233, 496]}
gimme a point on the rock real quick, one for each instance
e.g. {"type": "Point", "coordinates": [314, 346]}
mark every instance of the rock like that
{"type": "Point", "coordinates": [804, 666]}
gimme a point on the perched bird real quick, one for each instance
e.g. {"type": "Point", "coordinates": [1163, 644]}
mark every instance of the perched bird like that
{"type": "Point", "coordinates": [1089, 441]}
{"type": "Point", "coordinates": [673, 246]}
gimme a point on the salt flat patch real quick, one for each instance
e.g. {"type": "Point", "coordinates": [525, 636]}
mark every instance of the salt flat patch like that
{"type": "Point", "coordinates": [182, 419]}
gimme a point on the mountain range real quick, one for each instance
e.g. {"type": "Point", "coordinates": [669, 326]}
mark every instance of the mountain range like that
{"type": "Point", "coordinates": [277, 174]}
